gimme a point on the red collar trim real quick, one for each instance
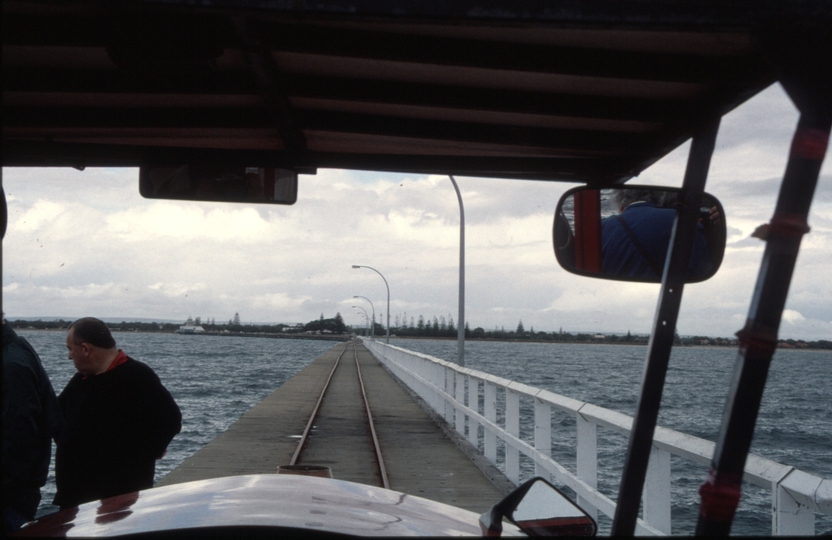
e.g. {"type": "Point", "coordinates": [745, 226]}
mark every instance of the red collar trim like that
{"type": "Point", "coordinates": [119, 359]}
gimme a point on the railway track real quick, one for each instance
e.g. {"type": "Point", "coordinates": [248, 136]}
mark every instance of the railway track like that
{"type": "Point", "coordinates": [340, 432]}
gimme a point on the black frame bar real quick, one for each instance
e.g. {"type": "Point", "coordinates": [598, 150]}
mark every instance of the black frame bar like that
{"type": "Point", "coordinates": [664, 329]}
{"type": "Point", "coordinates": [720, 494]}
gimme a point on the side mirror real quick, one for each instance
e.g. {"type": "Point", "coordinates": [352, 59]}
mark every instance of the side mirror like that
{"type": "Point", "coordinates": [623, 233]}
{"type": "Point", "coordinates": [220, 184]}
{"type": "Point", "coordinates": [539, 509]}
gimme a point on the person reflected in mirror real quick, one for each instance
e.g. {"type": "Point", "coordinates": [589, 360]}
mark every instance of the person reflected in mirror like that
{"type": "Point", "coordinates": [635, 241]}
{"type": "Point", "coordinates": [119, 419]}
{"type": "Point", "coordinates": [564, 240]}
{"type": "Point", "coordinates": [31, 419]}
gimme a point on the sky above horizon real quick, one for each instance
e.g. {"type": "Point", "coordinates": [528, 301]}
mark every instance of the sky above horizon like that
{"type": "Point", "coordinates": [85, 243]}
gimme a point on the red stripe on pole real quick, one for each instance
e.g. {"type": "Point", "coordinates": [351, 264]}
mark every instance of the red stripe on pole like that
{"type": "Point", "coordinates": [810, 144]}
{"type": "Point", "coordinates": [720, 497]}
{"type": "Point", "coordinates": [588, 231]}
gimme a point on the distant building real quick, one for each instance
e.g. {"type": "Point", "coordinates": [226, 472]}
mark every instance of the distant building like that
{"type": "Point", "coordinates": [189, 329]}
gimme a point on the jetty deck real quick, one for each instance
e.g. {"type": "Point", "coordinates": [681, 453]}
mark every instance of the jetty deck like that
{"type": "Point", "coordinates": [423, 456]}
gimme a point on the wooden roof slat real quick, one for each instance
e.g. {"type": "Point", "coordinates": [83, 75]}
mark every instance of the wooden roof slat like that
{"type": "Point", "coordinates": [472, 115]}
{"type": "Point", "coordinates": [653, 65]}
{"type": "Point", "coordinates": [580, 141]}
{"type": "Point", "coordinates": [80, 28]}
{"type": "Point", "coordinates": [482, 77]}
{"type": "Point", "coordinates": [129, 100]}
{"type": "Point", "coordinates": [714, 43]}
{"type": "Point", "coordinates": [19, 81]}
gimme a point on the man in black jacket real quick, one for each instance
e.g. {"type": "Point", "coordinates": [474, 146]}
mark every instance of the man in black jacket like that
{"type": "Point", "coordinates": [119, 420]}
{"type": "Point", "coordinates": [31, 418]}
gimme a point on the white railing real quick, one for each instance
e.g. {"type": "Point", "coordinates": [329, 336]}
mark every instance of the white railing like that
{"type": "Point", "coordinates": [456, 393]}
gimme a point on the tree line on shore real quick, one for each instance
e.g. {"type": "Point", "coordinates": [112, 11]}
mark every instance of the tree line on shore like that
{"type": "Point", "coordinates": [437, 328]}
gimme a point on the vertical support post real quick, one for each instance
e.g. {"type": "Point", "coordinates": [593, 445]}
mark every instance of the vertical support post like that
{"type": "Point", "coordinates": [448, 377]}
{"type": "Point", "coordinates": [657, 491]}
{"type": "Point", "coordinates": [789, 517]}
{"type": "Point", "coordinates": [490, 413]}
{"type": "Point", "coordinates": [459, 395]}
{"type": "Point", "coordinates": [664, 328]}
{"type": "Point", "coordinates": [720, 494]}
{"type": "Point", "coordinates": [474, 404]}
{"type": "Point", "coordinates": [512, 428]}
{"type": "Point", "coordinates": [438, 378]}
{"type": "Point", "coordinates": [587, 459]}
{"type": "Point", "coordinates": [542, 434]}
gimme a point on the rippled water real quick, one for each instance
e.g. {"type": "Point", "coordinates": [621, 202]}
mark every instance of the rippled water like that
{"type": "Point", "coordinates": [217, 379]}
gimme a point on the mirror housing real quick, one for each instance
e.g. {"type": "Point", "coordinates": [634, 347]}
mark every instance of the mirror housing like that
{"type": "Point", "coordinates": [261, 185]}
{"type": "Point", "coordinates": [623, 233]}
{"type": "Point", "coordinates": [539, 509]}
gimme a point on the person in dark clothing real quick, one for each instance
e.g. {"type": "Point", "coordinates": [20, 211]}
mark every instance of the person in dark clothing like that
{"type": "Point", "coordinates": [119, 420]}
{"type": "Point", "coordinates": [634, 243]}
{"type": "Point", "coordinates": [31, 418]}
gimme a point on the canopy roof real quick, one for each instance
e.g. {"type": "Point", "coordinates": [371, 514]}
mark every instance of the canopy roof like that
{"type": "Point", "coordinates": [558, 90]}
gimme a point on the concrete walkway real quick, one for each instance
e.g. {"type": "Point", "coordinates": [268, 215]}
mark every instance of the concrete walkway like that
{"type": "Point", "coordinates": [420, 457]}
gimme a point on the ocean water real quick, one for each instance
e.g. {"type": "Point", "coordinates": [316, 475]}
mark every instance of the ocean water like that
{"type": "Point", "coordinates": [216, 379]}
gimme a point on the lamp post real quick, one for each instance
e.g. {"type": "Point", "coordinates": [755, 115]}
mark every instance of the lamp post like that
{"type": "Point", "coordinates": [372, 328]}
{"type": "Point", "coordinates": [387, 339]}
{"type": "Point", "coordinates": [460, 330]}
{"type": "Point", "coordinates": [366, 317]}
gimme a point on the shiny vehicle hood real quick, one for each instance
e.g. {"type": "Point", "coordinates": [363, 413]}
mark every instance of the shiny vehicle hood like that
{"type": "Point", "coordinates": [265, 500]}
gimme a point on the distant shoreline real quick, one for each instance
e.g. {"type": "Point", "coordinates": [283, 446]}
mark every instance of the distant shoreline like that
{"type": "Point", "coordinates": [343, 337]}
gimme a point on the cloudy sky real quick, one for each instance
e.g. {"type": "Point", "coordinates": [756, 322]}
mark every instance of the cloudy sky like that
{"type": "Point", "coordinates": [85, 243]}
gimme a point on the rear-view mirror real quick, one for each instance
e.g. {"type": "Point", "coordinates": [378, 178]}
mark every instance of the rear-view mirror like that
{"type": "Point", "coordinates": [264, 185]}
{"type": "Point", "coordinates": [539, 509]}
{"type": "Point", "coordinates": [623, 233]}
{"type": "Point", "coordinates": [545, 511]}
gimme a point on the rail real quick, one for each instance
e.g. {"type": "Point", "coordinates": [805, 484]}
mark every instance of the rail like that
{"type": "Point", "coordinates": [451, 391]}
{"type": "Point", "coordinates": [379, 458]}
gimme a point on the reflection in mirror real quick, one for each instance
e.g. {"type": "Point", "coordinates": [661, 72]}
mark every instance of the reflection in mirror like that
{"type": "Point", "coordinates": [623, 233]}
{"type": "Point", "coordinates": [545, 511]}
{"type": "Point", "coordinates": [220, 184]}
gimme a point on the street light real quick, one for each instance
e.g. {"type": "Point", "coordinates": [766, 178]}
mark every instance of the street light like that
{"type": "Point", "coordinates": [460, 330]}
{"type": "Point", "coordinates": [387, 339]}
{"type": "Point", "coordinates": [373, 330]}
{"type": "Point", "coordinates": [366, 317]}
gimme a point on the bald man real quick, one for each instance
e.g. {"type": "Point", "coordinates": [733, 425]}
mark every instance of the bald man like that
{"type": "Point", "coordinates": [119, 420]}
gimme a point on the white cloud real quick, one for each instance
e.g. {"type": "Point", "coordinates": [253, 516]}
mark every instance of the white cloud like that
{"type": "Point", "coordinates": [793, 317]}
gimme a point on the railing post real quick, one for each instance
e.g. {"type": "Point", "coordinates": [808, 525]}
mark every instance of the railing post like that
{"type": "Point", "coordinates": [473, 404]}
{"type": "Point", "coordinates": [587, 460]}
{"type": "Point", "coordinates": [656, 494]}
{"type": "Point", "coordinates": [542, 435]}
{"type": "Point", "coordinates": [490, 413]}
{"type": "Point", "coordinates": [438, 380]}
{"type": "Point", "coordinates": [459, 396]}
{"type": "Point", "coordinates": [423, 370]}
{"type": "Point", "coordinates": [448, 376]}
{"type": "Point", "coordinates": [789, 516]}
{"type": "Point", "coordinates": [512, 428]}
